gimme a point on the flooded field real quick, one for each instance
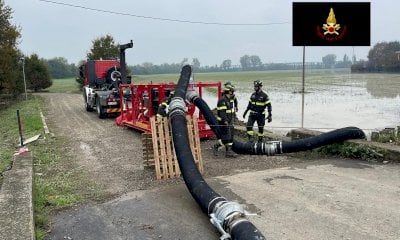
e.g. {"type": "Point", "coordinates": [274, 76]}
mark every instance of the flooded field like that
{"type": "Point", "coordinates": [333, 99]}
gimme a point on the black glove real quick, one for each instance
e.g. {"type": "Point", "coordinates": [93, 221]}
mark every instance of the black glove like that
{"type": "Point", "coordinates": [269, 117]}
{"type": "Point", "coordinates": [244, 114]}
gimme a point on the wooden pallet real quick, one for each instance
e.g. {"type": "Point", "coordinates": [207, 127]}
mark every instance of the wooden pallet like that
{"type": "Point", "coordinates": [161, 147]}
{"type": "Point", "coordinates": [148, 153]}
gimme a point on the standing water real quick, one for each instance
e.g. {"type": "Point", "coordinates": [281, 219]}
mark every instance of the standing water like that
{"type": "Point", "coordinates": [332, 100]}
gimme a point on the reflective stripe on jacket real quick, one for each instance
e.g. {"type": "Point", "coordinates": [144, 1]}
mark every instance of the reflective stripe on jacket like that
{"type": "Point", "coordinates": [225, 110]}
{"type": "Point", "coordinates": [258, 102]}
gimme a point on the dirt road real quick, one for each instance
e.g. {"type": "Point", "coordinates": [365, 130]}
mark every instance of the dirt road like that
{"type": "Point", "coordinates": [294, 198]}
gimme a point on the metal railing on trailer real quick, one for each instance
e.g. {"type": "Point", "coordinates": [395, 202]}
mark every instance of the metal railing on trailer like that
{"type": "Point", "coordinates": [139, 102]}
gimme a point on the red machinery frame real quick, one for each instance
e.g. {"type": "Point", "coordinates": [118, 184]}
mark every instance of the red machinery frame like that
{"type": "Point", "coordinates": [141, 101]}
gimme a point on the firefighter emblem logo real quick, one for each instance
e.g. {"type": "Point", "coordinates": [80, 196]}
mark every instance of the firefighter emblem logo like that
{"type": "Point", "coordinates": [331, 31]}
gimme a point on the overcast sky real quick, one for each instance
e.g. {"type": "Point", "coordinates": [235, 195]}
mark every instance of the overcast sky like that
{"type": "Point", "coordinates": [53, 30]}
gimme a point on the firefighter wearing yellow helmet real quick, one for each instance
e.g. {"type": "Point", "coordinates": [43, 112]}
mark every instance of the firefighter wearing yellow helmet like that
{"type": "Point", "coordinates": [259, 104]}
{"type": "Point", "coordinates": [225, 115]}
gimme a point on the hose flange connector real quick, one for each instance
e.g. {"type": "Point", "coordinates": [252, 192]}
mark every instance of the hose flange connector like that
{"type": "Point", "coordinates": [225, 215]}
{"type": "Point", "coordinates": [177, 106]}
{"type": "Point", "coordinates": [270, 148]}
{"type": "Point", "coordinates": [191, 96]}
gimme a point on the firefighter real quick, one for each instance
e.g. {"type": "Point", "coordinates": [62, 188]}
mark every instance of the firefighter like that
{"type": "Point", "coordinates": [234, 99]}
{"type": "Point", "coordinates": [163, 107]}
{"type": "Point", "coordinates": [225, 114]}
{"type": "Point", "coordinates": [258, 104]}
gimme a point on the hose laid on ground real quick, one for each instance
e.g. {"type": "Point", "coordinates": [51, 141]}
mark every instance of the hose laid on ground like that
{"type": "Point", "coordinates": [272, 147]}
{"type": "Point", "coordinates": [228, 217]}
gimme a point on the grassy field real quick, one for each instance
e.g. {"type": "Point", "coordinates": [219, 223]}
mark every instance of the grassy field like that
{"type": "Point", "coordinates": [69, 85]}
{"type": "Point", "coordinates": [236, 77]}
{"type": "Point", "coordinates": [66, 85]}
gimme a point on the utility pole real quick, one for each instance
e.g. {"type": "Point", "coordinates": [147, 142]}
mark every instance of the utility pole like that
{"type": "Point", "coordinates": [23, 72]}
{"type": "Point", "coordinates": [303, 87]}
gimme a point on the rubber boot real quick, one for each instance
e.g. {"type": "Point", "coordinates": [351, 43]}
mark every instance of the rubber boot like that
{"type": "Point", "coordinates": [229, 153]}
{"type": "Point", "coordinates": [260, 139]}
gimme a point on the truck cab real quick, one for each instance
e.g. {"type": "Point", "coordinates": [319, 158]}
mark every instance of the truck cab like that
{"type": "Point", "coordinates": [101, 83]}
{"type": "Point", "coordinates": [100, 91]}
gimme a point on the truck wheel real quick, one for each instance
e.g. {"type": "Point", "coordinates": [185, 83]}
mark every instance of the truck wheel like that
{"type": "Point", "coordinates": [100, 109]}
{"type": "Point", "coordinates": [113, 74]}
{"type": "Point", "coordinates": [89, 108]}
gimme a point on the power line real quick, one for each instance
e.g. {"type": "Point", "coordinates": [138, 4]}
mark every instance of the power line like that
{"type": "Point", "coordinates": [162, 19]}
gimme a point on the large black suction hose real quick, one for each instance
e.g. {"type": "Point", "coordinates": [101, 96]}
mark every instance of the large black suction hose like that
{"type": "Point", "coordinates": [338, 135]}
{"type": "Point", "coordinates": [228, 217]}
{"type": "Point", "coordinates": [206, 111]}
{"type": "Point", "coordinates": [273, 147]}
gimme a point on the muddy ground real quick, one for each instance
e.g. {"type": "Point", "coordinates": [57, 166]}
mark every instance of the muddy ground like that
{"type": "Point", "coordinates": [112, 155]}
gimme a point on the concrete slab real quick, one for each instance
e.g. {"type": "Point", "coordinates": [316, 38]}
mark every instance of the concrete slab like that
{"type": "Point", "coordinates": [334, 199]}
{"type": "Point", "coordinates": [341, 200]}
{"type": "Point", "coordinates": [16, 207]}
{"type": "Point", "coordinates": [169, 213]}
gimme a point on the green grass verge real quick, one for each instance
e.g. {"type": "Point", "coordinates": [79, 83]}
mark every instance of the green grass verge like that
{"type": "Point", "coordinates": [58, 183]}
{"type": "Point", "coordinates": [355, 151]}
{"type": "Point", "coordinates": [9, 137]}
{"type": "Point", "coordinates": [345, 150]}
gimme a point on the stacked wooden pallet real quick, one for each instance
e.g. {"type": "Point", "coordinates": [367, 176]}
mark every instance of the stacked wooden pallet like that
{"type": "Point", "coordinates": [159, 151]}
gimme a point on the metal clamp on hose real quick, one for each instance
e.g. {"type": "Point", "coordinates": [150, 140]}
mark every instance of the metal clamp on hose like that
{"type": "Point", "coordinates": [225, 213]}
{"type": "Point", "coordinates": [217, 224]}
{"type": "Point", "coordinates": [268, 148]}
{"type": "Point", "coordinates": [274, 147]}
{"type": "Point", "coordinates": [177, 106]}
{"type": "Point", "coordinates": [191, 96]}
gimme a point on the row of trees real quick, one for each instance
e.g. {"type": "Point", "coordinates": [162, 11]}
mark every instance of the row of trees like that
{"type": "Point", "coordinates": [106, 48]}
{"type": "Point", "coordinates": [383, 57]}
{"type": "Point", "coordinates": [248, 63]}
{"type": "Point", "coordinates": [9, 53]}
{"type": "Point", "coordinates": [12, 60]}
{"type": "Point", "coordinates": [60, 68]}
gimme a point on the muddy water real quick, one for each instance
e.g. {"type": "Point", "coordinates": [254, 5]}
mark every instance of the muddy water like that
{"type": "Point", "coordinates": [368, 101]}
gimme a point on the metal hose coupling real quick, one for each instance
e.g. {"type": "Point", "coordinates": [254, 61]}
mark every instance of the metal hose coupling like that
{"type": "Point", "coordinates": [225, 216]}
{"type": "Point", "coordinates": [191, 96]}
{"type": "Point", "coordinates": [177, 106]}
{"type": "Point", "coordinates": [269, 148]}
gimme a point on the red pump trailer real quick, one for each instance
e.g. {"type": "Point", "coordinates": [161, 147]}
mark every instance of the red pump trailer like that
{"type": "Point", "coordinates": [139, 102]}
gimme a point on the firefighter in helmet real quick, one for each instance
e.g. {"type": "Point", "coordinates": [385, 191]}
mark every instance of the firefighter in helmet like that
{"type": "Point", "coordinates": [225, 114]}
{"type": "Point", "coordinates": [163, 107]}
{"type": "Point", "coordinates": [234, 99]}
{"type": "Point", "coordinates": [259, 103]}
